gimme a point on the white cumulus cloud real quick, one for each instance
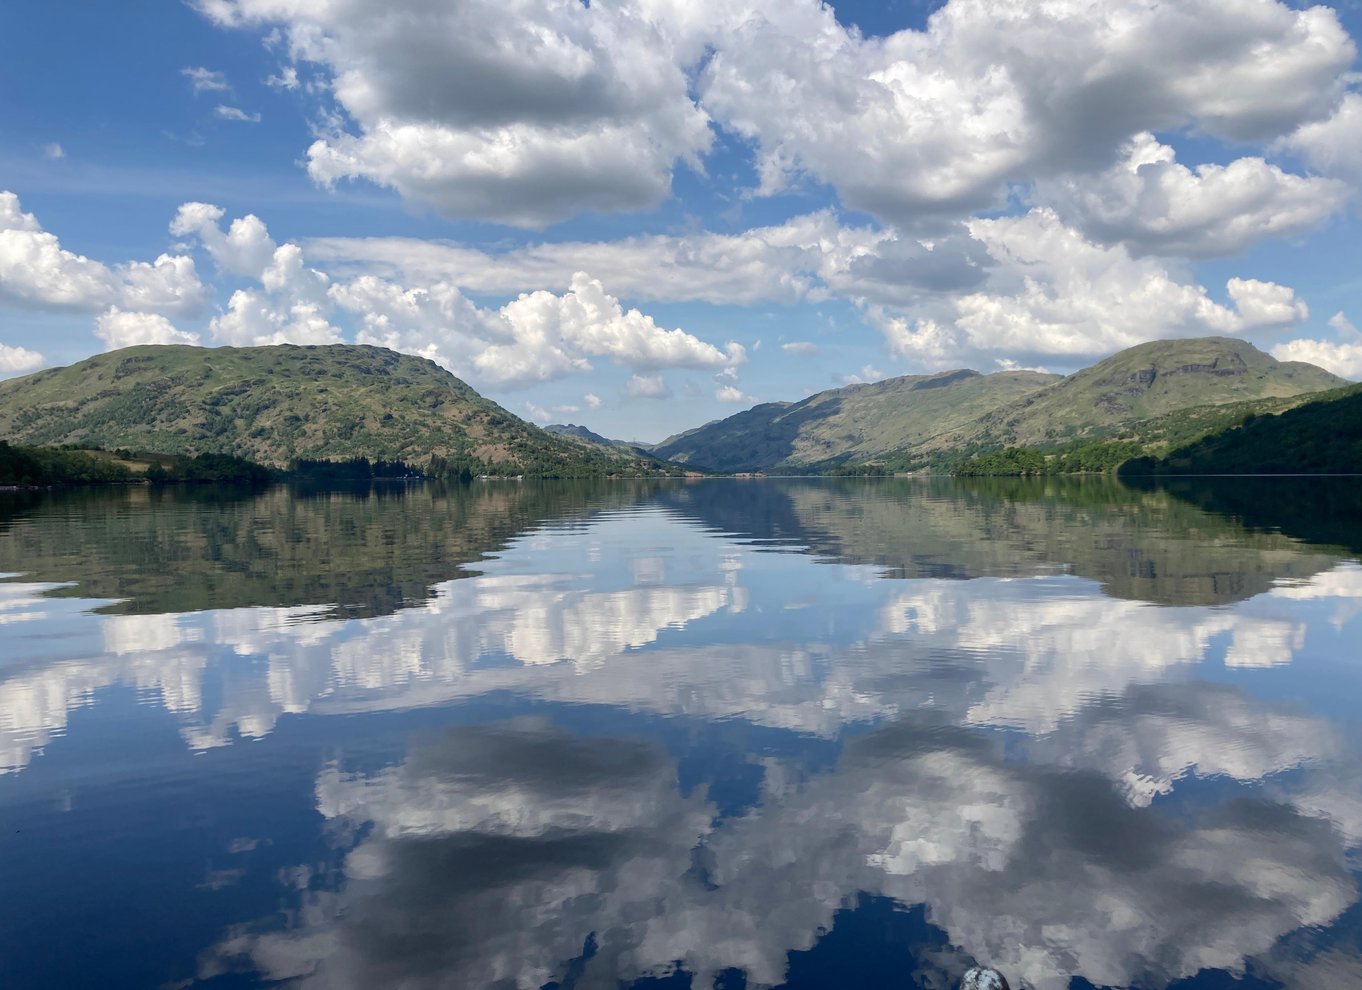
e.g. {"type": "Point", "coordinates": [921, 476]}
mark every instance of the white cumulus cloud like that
{"type": "Point", "coordinates": [435, 321]}
{"type": "Point", "coordinates": [1019, 287]}
{"type": "Point", "coordinates": [245, 248]}
{"type": "Point", "coordinates": [290, 307]}
{"type": "Point", "coordinates": [36, 270]}
{"type": "Point", "coordinates": [1333, 145]}
{"type": "Point", "coordinates": [1344, 359]}
{"type": "Point", "coordinates": [1343, 356]}
{"type": "Point", "coordinates": [594, 322]}
{"type": "Point", "coordinates": [1155, 205]}
{"type": "Point", "coordinates": [120, 328]}
{"type": "Point", "coordinates": [992, 92]}
{"type": "Point", "coordinates": [1053, 292]}
{"type": "Point", "coordinates": [1264, 305]}
{"type": "Point", "coordinates": [534, 113]}
{"type": "Point", "coordinates": [14, 360]}
{"type": "Point", "coordinates": [538, 336]}
{"type": "Point", "coordinates": [731, 393]}
{"type": "Point", "coordinates": [523, 115]}
{"type": "Point", "coordinates": [647, 387]}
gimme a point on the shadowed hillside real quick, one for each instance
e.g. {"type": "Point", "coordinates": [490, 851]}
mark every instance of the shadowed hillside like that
{"type": "Point", "coordinates": [1318, 437]}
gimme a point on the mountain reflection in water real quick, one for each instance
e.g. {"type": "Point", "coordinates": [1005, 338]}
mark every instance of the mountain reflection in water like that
{"type": "Point", "coordinates": [710, 734]}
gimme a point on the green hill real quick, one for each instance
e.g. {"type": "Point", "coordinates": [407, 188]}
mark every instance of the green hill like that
{"type": "Point", "coordinates": [847, 425]}
{"type": "Point", "coordinates": [1322, 436]}
{"type": "Point", "coordinates": [1140, 384]}
{"type": "Point", "coordinates": [1166, 392]}
{"type": "Point", "coordinates": [275, 404]}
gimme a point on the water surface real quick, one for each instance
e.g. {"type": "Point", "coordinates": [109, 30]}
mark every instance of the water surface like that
{"type": "Point", "coordinates": [715, 734]}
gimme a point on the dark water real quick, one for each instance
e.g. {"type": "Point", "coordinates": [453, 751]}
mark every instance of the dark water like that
{"type": "Point", "coordinates": [713, 735]}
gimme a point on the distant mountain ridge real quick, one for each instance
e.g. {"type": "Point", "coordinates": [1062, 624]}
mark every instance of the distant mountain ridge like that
{"type": "Point", "coordinates": [575, 432]}
{"type": "Point", "coordinates": [274, 404]}
{"type": "Point", "coordinates": [850, 424]}
{"type": "Point", "coordinates": [916, 419]}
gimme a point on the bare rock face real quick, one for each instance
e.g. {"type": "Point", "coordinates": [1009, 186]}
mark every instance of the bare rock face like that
{"type": "Point", "coordinates": [983, 978]}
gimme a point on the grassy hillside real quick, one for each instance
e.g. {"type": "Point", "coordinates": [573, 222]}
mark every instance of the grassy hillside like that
{"type": "Point", "coordinates": [275, 404]}
{"type": "Point", "coordinates": [1146, 399]}
{"type": "Point", "coordinates": [1139, 385]}
{"type": "Point", "coordinates": [1322, 436]}
{"type": "Point", "coordinates": [850, 424]}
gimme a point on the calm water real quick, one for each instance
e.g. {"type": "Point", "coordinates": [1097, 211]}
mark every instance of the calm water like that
{"type": "Point", "coordinates": [713, 735]}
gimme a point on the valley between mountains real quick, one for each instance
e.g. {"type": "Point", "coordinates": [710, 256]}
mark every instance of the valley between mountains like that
{"type": "Point", "coordinates": [1157, 405]}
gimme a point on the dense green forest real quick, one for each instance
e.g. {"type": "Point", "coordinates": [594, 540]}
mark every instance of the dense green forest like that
{"type": "Point", "coordinates": [1320, 437]}
{"type": "Point", "coordinates": [68, 465]}
{"type": "Point", "coordinates": [219, 469]}
{"type": "Point", "coordinates": [1265, 436]}
{"type": "Point", "coordinates": [1081, 458]}
{"type": "Point", "coordinates": [57, 466]}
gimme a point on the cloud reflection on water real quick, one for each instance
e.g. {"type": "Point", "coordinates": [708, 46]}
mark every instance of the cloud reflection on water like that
{"type": "Point", "coordinates": [496, 853]}
{"type": "Point", "coordinates": [492, 856]}
{"type": "Point", "coordinates": [1008, 746]}
{"type": "Point", "coordinates": [1023, 653]}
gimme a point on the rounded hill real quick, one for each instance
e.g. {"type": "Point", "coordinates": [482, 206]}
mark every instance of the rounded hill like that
{"type": "Point", "coordinates": [280, 403]}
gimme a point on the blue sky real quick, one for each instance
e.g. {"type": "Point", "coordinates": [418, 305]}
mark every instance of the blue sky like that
{"type": "Point", "coordinates": [644, 215]}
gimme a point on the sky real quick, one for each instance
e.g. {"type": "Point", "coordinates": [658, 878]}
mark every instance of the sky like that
{"type": "Point", "coordinates": [642, 215]}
